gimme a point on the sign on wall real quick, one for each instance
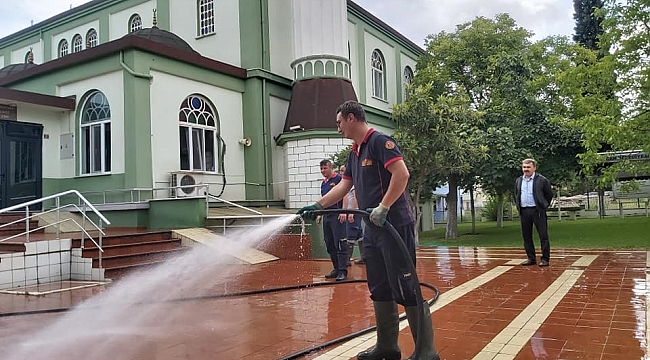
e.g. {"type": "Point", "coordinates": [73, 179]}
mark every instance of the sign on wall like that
{"type": "Point", "coordinates": [8, 112]}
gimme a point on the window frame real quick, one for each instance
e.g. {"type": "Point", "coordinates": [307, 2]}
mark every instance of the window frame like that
{"type": "Point", "coordinates": [378, 71]}
{"type": "Point", "coordinates": [87, 143]}
{"type": "Point", "coordinates": [407, 79]}
{"type": "Point", "coordinates": [60, 48]}
{"type": "Point", "coordinates": [132, 20]}
{"type": "Point", "coordinates": [92, 42]}
{"type": "Point", "coordinates": [74, 43]}
{"type": "Point", "coordinates": [210, 18]}
{"type": "Point", "coordinates": [187, 131]}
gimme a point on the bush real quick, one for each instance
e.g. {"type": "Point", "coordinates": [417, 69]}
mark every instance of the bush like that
{"type": "Point", "coordinates": [491, 208]}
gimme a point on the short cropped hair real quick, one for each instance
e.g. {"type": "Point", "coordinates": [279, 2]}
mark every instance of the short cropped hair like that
{"type": "Point", "coordinates": [354, 108]}
{"type": "Point", "coordinates": [326, 162]}
{"type": "Point", "coordinates": [530, 161]}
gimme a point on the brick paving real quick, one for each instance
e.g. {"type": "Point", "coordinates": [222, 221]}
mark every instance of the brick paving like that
{"type": "Point", "coordinates": [599, 313]}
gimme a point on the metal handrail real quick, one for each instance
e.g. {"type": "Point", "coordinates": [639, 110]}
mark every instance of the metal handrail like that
{"type": "Point", "coordinates": [49, 211]}
{"type": "Point", "coordinates": [57, 208]}
{"type": "Point", "coordinates": [210, 196]}
{"type": "Point", "coordinates": [55, 196]}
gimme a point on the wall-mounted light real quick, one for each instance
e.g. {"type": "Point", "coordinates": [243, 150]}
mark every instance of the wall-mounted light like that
{"type": "Point", "coordinates": [296, 128]}
{"type": "Point", "coordinates": [245, 142]}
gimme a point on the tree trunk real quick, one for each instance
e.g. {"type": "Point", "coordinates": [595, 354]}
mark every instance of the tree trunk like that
{"type": "Point", "coordinates": [452, 208]}
{"type": "Point", "coordinates": [601, 203]}
{"type": "Point", "coordinates": [472, 208]}
{"type": "Point", "coordinates": [510, 212]}
{"type": "Point", "coordinates": [500, 210]}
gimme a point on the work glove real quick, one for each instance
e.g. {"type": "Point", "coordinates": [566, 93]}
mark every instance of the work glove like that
{"type": "Point", "coordinates": [378, 214]}
{"type": "Point", "coordinates": [307, 212]}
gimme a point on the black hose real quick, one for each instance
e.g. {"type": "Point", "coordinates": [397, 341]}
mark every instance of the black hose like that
{"type": "Point", "coordinates": [405, 253]}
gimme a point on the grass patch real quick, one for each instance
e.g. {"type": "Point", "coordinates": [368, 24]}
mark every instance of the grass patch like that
{"type": "Point", "coordinates": [629, 232]}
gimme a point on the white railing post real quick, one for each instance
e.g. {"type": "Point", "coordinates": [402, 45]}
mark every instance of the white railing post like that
{"type": "Point", "coordinates": [101, 246]}
{"type": "Point", "coordinates": [58, 217]}
{"type": "Point", "coordinates": [27, 223]}
{"type": "Point", "coordinates": [83, 225]}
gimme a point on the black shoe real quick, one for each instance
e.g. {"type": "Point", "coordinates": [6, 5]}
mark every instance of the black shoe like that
{"type": "Point", "coordinates": [333, 274]}
{"type": "Point", "coordinates": [342, 276]}
{"type": "Point", "coordinates": [529, 262]}
{"type": "Point", "coordinates": [543, 263]}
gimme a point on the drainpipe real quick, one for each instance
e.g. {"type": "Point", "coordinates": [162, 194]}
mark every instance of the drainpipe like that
{"type": "Point", "coordinates": [131, 71]}
{"type": "Point", "coordinates": [265, 135]}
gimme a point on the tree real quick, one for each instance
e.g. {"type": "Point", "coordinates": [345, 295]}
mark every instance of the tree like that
{"type": "Point", "coordinates": [439, 136]}
{"type": "Point", "coordinates": [588, 23]}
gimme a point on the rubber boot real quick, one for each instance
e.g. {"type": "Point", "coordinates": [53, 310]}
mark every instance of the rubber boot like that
{"type": "Point", "coordinates": [425, 350]}
{"type": "Point", "coordinates": [360, 261]}
{"type": "Point", "coordinates": [387, 333]}
{"type": "Point", "coordinates": [350, 251]}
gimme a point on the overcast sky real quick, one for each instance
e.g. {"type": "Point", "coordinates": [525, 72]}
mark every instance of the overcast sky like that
{"type": "Point", "coordinates": [413, 18]}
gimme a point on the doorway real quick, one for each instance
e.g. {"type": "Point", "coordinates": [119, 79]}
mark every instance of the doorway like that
{"type": "Point", "coordinates": [21, 163]}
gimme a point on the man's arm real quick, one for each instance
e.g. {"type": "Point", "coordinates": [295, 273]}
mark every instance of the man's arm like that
{"type": "Point", "coordinates": [548, 191]}
{"type": "Point", "coordinates": [399, 179]}
{"type": "Point", "coordinates": [336, 194]}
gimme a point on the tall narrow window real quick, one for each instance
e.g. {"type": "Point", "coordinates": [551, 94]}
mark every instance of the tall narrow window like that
{"type": "Point", "coordinates": [95, 134]}
{"type": "Point", "coordinates": [206, 17]}
{"type": "Point", "coordinates": [378, 75]}
{"type": "Point", "coordinates": [135, 23]}
{"type": "Point", "coordinates": [408, 78]}
{"type": "Point", "coordinates": [91, 38]}
{"type": "Point", "coordinates": [63, 48]}
{"type": "Point", "coordinates": [77, 43]}
{"type": "Point", "coordinates": [199, 135]}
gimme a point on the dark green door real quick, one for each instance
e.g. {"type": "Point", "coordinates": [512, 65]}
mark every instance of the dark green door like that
{"type": "Point", "coordinates": [21, 163]}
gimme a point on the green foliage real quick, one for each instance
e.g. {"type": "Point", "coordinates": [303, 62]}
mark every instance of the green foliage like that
{"type": "Point", "coordinates": [588, 23]}
{"type": "Point", "coordinates": [490, 211]}
{"type": "Point", "coordinates": [341, 157]}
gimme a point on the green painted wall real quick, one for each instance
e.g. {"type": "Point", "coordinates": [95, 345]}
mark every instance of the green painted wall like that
{"type": "Point", "coordinates": [175, 213]}
{"type": "Point", "coordinates": [85, 185]}
{"type": "Point", "coordinates": [137, 122]}
{"type": "Point", "coordinates": [254, 37]}
{"type": "Point", "coordinates": [123, 218]}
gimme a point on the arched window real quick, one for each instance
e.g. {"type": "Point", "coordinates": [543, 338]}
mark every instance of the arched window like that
{"type": "Point", "coordinates": [95, 129]}
{"type": "Point", "coordinates": [199, 135]}
{"type": "Point", "coordinates": [206, 17]}
{"type": "Point", "coordinates": [77, 43]}
{"type": "Point", "coordinates": [63, 48]}
{"type": "Point", "coordinates": [378, 75]}
{"type": "Point", "coordinates": [408, 78]}
{"type": "Point", "coordinates": [135, 23]}
{"type": "Point", "coordinates": [29, 57]}
{"type": "Point", "coordinates": [91, 38]}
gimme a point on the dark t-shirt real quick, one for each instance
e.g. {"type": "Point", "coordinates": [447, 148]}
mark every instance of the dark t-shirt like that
{"type": "Point", "coordinates": [367, 168]}
{"type": "Point", "coordinates": [327, 185]}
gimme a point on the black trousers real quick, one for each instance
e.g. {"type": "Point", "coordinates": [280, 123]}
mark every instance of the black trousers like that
{"type": "Point", "coordinates": [387, 268]}
{"type": "Point", "coordinates": [530, 217]}
{"type": "Point", "coordinates": [337, 247]}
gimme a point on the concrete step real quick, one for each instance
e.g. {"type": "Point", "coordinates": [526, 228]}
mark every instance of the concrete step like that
{"type": "Point", "coordinates": [121, 261]}
{"type": "Point", "coordinates": [132, 248]}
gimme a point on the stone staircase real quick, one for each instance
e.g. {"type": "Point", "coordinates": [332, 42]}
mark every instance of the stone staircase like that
{"type": "Point", "coordinates": [15, 229]}
{"type": "Point", "coordinates": [125, 253]}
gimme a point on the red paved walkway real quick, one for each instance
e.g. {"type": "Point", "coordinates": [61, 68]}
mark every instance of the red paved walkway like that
{"type": "Point", "coordinates": [602, 315]}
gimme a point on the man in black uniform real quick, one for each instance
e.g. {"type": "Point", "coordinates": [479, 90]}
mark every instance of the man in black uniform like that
{"type": "Point", "coordinates": [378, 172]}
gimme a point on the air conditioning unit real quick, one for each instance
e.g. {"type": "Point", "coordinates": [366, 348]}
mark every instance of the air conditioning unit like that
{"type": "Point", "coordinates": [182, 184]}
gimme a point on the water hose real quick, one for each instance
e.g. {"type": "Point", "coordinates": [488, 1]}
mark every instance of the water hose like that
{"type": "Point", "coordinates": [407, 256]}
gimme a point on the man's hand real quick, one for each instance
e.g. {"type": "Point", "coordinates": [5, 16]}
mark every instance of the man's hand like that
{"type": "Point", "coordinates": [307, 212]}
{"type": "Point", "coordinates": [342, 218]}
{"type": "Point", "coordinates": [378, 214]}
{"type": "Point", "coordinates": [350, 218]}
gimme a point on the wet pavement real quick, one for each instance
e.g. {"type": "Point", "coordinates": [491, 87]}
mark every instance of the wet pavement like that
{"type": "Point", "coordinates": [588, 304]}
